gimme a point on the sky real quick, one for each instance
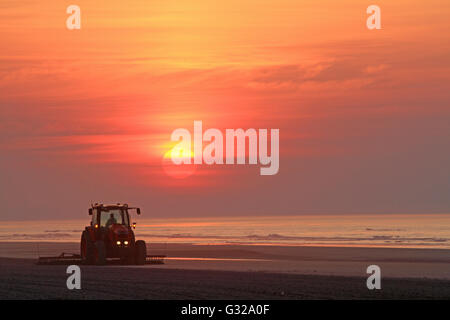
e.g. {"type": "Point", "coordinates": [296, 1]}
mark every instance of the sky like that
{"type": "Point", "coordinates": [86, 115]}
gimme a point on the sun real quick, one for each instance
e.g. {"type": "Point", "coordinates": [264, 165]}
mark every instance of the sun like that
{"type": "Point", "coordinates": [179, 171]}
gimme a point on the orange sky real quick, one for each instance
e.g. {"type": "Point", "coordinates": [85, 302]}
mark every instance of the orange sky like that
{"type": "Point", "coordinates": [363, 115]}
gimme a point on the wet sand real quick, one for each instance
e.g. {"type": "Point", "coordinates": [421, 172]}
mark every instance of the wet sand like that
{"type": "Point", "coordinates": [233, 272]}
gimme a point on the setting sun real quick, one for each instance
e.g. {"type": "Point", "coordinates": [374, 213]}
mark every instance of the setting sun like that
{"type": "Point", "coordinates": [178, 171]}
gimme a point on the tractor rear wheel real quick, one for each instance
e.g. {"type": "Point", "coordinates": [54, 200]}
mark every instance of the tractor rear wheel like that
{"type": "Point", "coordinates": [100, 253]}
{"type": "Point", "coordinates": [140, 251]}
{"type": "Point", "coordinates": [86, 249]}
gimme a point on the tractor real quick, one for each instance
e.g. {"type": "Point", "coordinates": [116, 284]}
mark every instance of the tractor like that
{"type": "Point", "coordinates": [111, 235]}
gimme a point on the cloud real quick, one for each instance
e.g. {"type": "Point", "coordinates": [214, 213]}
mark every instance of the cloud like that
{"type": "Point", "coordinates": [337, 71]}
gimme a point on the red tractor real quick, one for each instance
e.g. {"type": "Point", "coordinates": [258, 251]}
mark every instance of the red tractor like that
{"type": "Point", "coordinates": [111, 235]}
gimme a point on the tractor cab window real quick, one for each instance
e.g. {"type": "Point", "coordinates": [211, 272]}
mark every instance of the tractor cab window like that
{"type": "Point", "coordinates": [115, 216]}
{"type": "Point", "coordinates": [94, 217]}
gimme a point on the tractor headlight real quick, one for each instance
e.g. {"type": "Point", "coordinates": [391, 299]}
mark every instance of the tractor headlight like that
{"type": "Point", "coordinates": [118, 243]}
{"type": "Point", "coordinates": [125, 243]}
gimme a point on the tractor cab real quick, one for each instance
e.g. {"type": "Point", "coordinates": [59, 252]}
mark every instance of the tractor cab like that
{"type": "Point", "coordinates": [105, 216]}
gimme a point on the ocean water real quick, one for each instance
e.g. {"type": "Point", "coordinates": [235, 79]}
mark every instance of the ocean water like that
{"type": "Point", "coordinates": [410, 231]}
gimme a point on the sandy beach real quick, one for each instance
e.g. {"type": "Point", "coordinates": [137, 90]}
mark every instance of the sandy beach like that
{"type": "Point", "coordinates": [232, 272]}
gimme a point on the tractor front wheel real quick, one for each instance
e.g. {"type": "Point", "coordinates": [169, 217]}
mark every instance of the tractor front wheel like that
{"type": "Point", "coordinates": [140, 252]}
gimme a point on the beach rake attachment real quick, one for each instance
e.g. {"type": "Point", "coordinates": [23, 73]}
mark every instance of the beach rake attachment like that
{"type": "Point", "coordinates": [158, 259]}
{"type": "Point", "coordinates": [64, 259]}
{"type": "Point", "coordinates": [71, 258]}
